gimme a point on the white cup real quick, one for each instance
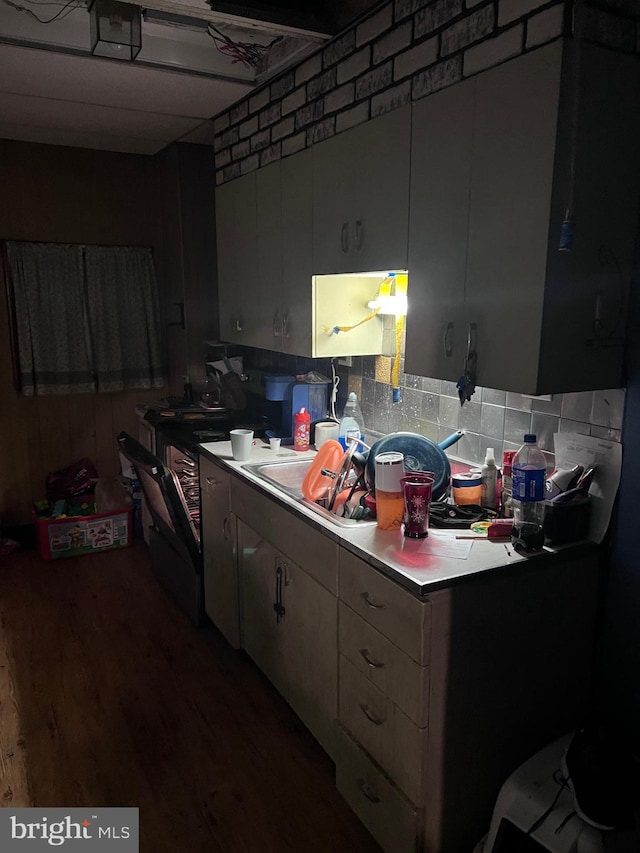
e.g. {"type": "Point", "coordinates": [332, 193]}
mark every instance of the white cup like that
{"type": "Point", "coordinates": [274, 443]}
{"type": "Point", "coordinates": [325, 431]}
{"type": "Point", "coordinates": [241, 441]}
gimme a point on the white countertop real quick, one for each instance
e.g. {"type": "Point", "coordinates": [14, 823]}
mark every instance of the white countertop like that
{"type": "Point", "coordinates": [420, 565]}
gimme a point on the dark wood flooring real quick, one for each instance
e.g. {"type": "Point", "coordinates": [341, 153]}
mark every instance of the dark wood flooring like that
{"type": "Point", "coordinates": [109, 697]}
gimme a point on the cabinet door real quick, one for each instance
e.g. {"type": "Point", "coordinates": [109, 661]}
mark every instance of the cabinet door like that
{"type": "Point", "coordinates": [263, 630]}
{"type": "Point", "coordinates": [297, 242]}
{"type": "Point", "coordinates": [221, 594]}
{"type": "Point", "coordinates": [361, 197]}
{"type": "Point", "coordinates": [440, 172]}
{"type": "Point", "coordinates": [236, 228]}
{"type": "Point", "coordinates": [312, 653]}
{"type": "Point", "coordinates": [514, 144]}
{"type": "Point", "coordinates": [267, 304]}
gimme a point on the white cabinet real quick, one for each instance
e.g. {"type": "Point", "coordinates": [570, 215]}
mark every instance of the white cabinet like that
{"type": "Point", "coordinates": [221, 601]}
{"type": "Point", "coordinates": [361, 197]}
{"type": "Point", "coordinates": [237, 243]}
{"type": "Point", "coordinates": [509, 152]}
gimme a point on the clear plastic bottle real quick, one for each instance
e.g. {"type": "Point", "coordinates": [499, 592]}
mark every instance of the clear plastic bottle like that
{"type": "Point", "coordinates": [529, 474]}
{"type": "Point", "coordinates": [352, 422]}
{"type": "Point", "coordinates": [489, 480]}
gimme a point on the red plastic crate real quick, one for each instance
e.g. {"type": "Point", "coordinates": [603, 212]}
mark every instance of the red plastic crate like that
{"type": "Point", "coordinates": [84, 534]}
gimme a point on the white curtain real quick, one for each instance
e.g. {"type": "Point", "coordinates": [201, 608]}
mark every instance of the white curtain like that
{"type": "Point", "coordinates": [86, 318]}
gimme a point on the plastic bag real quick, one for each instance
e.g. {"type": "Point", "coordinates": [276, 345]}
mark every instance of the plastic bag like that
{"type": "Point", "coordinates": [111, 495]}
{"type": "Point", "coordinates": [78, 479]}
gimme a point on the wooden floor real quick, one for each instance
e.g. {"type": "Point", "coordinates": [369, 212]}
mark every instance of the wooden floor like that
{"type": "Point", "coordinates": [109, 697]}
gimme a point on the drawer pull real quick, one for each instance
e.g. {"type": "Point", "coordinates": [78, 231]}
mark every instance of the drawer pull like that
{"type": "Point", "coordinates": [211, 481]}
{"type": "Point", "coordinates": [375, 720]}
{"type": "Point", "coordinates": [366, 790]}
{"type": "Point", "coordinates": [368, 601]}
{"type": "Point", "coordinates": [372, 663]}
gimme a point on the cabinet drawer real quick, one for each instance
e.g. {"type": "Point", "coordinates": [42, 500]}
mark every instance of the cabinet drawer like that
{"type": "Point", "coordinates": [387, 734]}
{"type": "Point", "coordinates": [389, 817]}
{"type": "Point", "coordinates": [399, 677]}
{"type": "Point", "coordinates": [397, 614]}
{"type": "Point", "coordinates": [214, 480]}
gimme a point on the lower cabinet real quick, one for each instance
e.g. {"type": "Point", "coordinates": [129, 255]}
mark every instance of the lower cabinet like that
{"type": "Point", "coordinates": [289, 628]}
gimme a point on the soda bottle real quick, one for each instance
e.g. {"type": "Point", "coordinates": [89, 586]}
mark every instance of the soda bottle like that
{"type": "Point", "coordinates": [529, 473]}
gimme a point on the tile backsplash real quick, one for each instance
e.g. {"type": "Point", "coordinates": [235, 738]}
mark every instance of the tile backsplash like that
{"type": "Point", "coordinates": [431, 407]}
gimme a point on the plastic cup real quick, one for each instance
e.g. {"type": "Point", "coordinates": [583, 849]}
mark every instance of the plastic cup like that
{"type": "Point", "coordinates": [416, 491]}
{"type": "Point", "coordinates": [241, 443]}
{"type": "Point", "coordinates": [274, 443]}
{"type": "Point", "coordinates": [389, 499]}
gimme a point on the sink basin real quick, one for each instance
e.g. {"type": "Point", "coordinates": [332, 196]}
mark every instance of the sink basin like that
{"type": "Point", "coordinates": [288, 477]}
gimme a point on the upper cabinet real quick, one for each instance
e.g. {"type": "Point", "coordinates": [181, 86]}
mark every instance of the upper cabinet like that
{"type": "Point", "coordinates": [360, 196]}
{"type": "Point", "coordinates": [499, 163]}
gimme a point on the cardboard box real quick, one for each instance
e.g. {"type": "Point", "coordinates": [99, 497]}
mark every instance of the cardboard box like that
{"type": "Point", "coordinates": [84, 534]}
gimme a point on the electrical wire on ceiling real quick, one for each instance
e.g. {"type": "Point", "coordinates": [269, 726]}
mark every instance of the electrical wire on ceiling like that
{"type": "Point", "coordinates": [67, 8]}
{"type": "Point", "coordinates": [250, 54]}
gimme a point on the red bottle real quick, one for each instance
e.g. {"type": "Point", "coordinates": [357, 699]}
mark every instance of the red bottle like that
{"type": "Point", "coordinates": [301, 427]}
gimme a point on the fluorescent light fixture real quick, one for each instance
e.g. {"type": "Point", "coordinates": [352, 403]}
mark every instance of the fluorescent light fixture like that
{"type": "Point", "coordinates": [116, 29]}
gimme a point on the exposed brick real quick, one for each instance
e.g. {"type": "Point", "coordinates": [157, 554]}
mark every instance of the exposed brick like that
{"type": "Point", "coordinates": [493, 51]}
{"type": "Point", "coordinates": [260, 140]}
{"type": "Point", "coordinates": [352, 117]}
{"type": "Point", "coordinates": [270, 116]}
{"type": "Point", "coordinates": [248, 128]}
{"type": "Point", "coordinates": [545, 26]}
{"type": "Point", "coordinates": [356, 64]}
{"type": "Point", "coordinates": [339, 48]}
{"type": "Point", "coordinates": [373, 81]}
{"type": "Point", "coordinates": [512, 10]}
{"type": "Point", "coordinates": [374, 26]}
{"type": "Point", "coordinates": [392, 43]}
{"type": "Point", "coordinates": [322, 130]}
{"type": "Point", "coordinates": [408, 7]}
{"type": "Point", "coordinates": [242, 149]}
{"type": "Point", "coordinates": [321, 84]}
{"type": "Point", "coordinates": [468, 30]}
{"type": "Point", "coordinates": [239, 112]}
{"type": "Point", "coordinates": [270, 154]}
{"type": "Point", "coordinates": [283, 85]}
{"type": "Point", "coordinates": [436, 15]}
{"type": "Point", "coordinates": [471, 4]}
{"type": "Point", "coordinates": [437, 77]}
{"type": "Point", "coordinates": [308, 69]}
{"type": "Point", "coordinates": [221, 123]}
{"type": "Point", "coordinates": [283, 128]}
{"type": "Point", "coordinates": [250, 164]}
{"type": "Point", "coordinates": [223, 158]}
{"type": "Point", "coordinates": [219, 178]}
{"type": "Point", "coordinates": [294, 101]}
{"type": "Point", "coordinates": [391, 99]}
{"type": "Point", "coordinates": [294, 144]}
{"type": "Point", "coordinates": [419, 57]}
{"type": "Point", "coordinates": [259, 101]}
{"type": "Point", "coordinates": [339, 98]}
{"type": "Point", "coordinates": [229, 137]}
{"type": "Point", "coordinates": [309, 113]}
{"type": "Point", "coordinates": [231, 172]}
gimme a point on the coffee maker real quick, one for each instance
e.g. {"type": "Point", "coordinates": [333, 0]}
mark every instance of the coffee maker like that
{"type": "Point", "coordinates": [287, 395]}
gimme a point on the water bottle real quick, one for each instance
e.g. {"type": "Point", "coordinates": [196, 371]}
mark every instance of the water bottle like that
{"type": "Point", "coordinates": [352, 423]}
{"type": "Point", "coordinates": [529, 474]}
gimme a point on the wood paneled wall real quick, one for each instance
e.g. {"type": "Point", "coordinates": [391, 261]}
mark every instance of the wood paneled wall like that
{"type": "Point", "coordinates": [71, 195]}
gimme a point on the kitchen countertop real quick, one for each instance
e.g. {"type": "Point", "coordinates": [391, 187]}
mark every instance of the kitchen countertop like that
{"type": "Point", "coordinates": [420, 566]}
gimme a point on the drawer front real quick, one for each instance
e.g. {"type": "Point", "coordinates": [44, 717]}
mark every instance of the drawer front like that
{"type": "Point", "coordinates": [400, 616]}
{"type": "Point", "coordinates": [385, 732]}
{"type": "Point", "coordinates": [213, 480]}
{"type": "Point", "coordinates": [389, 817]}
{"type": "Point", "coordinates": [290, 535]}
{"type": "Point", "coordinates": [393, 672]}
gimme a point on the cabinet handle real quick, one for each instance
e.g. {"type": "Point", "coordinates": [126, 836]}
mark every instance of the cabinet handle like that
{"type": "Point", "coordinates": [225, 532]}
{"type": "Point", "coordinates": [359, 233]}
{"type": "Point", "coordinates": [366, 790]}
{"type": "Point", "coordinates": [375, 720]}
{"type": "Point", "coordinates": [285, 325]}
{"type": "Point", "coordinates": [277, 332]}
{"type": "Point", "coordinates": [211, 481]}
{"type": "Point", "coordinates": [369, 602]}
{"type": "Point", "coordinates": [447, 340]}
{"type": "Point", "coordinates": [278, 606]}
{"type": "Point", "coordinates": [238, 324]}
{"type": "Point", "coordinates": [344, 237]}
{"type": "Point", "coordinates": [372, 663]}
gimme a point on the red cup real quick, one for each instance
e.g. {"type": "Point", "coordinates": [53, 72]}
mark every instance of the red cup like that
{"type": "Point", "coordinates": [416, 491]}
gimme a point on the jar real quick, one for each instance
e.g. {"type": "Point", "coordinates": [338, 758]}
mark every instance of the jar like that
{"type": "Point", "coordinates": [467, 488]}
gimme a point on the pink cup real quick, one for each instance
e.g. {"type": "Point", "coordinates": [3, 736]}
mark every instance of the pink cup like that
{"type": "Point", "coordinates": [416, 491]}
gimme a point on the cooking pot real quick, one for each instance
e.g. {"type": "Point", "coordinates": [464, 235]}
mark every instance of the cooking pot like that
{"type": "Point", "coordinates": [420, 454]}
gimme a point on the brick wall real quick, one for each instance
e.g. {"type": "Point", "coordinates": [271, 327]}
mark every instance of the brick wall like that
{"type": "Point", "coordinates": [402, 51]}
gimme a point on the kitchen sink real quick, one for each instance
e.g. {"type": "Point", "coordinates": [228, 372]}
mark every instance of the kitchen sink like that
{"type": "Point", "coordinates": [288, 477]}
